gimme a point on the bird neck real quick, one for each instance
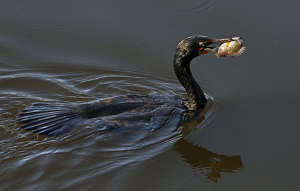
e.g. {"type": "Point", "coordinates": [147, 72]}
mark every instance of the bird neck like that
{"type": "Point", "coordinates": [196, 98]}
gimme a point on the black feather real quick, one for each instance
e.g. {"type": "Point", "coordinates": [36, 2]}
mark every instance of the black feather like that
{"type": "Point", "coordinates": [44, 123]}
{"type": "Point", "coordinates": [49, 119]}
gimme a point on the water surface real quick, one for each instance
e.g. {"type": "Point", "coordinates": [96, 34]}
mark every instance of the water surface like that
{"type": "Point", "coordinates": [68, 52]}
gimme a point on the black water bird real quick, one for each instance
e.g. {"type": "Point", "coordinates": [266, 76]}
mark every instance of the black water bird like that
{"type": "Point", "coordinates": [129, 111]}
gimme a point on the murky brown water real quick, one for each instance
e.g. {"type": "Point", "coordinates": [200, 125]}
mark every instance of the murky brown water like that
{"type": "Point", "coordinates": [79, 51]}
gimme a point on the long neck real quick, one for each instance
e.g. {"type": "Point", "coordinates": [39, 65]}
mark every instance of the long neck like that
{"type": "Point", "coordinates": [196, 97]}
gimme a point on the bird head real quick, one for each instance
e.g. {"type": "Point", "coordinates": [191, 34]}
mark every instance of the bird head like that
{"type": "Point", "coordinates": [197, 45]}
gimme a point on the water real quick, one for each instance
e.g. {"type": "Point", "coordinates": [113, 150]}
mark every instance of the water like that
{"type": "Point", "coordinates": [74, 52]}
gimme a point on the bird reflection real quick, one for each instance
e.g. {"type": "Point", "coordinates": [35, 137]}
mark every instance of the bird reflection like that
{"type": "Point", "coordinates": [203, 160]}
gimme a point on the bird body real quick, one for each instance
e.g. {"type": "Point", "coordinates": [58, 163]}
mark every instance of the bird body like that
{"type": "Point", "coordinates": [129, 111]}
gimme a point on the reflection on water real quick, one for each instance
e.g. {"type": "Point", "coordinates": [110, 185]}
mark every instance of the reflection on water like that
{"type": "Point", "coordinates": [207, 162]}
{"type": "Point", "coordinates": [201, 159]}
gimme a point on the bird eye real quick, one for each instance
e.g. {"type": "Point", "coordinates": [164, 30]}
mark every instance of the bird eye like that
{"type": "Point", "coordinates": [202, 44]}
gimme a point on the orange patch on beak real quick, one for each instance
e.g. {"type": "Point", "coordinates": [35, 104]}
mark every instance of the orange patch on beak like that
{"type": "Point", "coordinates": [206, 41]}
{"type": "Point", "coordinates": [201, 51]}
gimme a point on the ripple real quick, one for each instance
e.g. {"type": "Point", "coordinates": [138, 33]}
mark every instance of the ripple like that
{"type": "Point", "coordinates": [172, 9]}
{"type": "Point", "coordinates": [215, 113]}
{"type": "Point", "coordinates": [107, 85]}
{"type": "Point", "coordinates": [85, 153]}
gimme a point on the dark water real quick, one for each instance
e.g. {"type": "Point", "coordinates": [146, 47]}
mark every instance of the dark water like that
{"type": "Point", "coordinates": [79, 51]}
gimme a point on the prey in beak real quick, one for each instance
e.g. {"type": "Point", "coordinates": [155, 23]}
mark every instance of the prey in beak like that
{"type": "Point", "coordinates": [227, 47]}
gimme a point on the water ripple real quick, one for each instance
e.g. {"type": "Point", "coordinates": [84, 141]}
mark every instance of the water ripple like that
{"type": "Point", "coordinates": [180, 9]}
{"type": "Point", "coordinates": [86, 149]}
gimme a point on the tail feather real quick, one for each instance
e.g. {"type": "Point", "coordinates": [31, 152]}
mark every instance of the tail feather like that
{"type": "Point", "coordinates": [44, 123]}
{"type": "Point", "coordinates": [40, 117]}
{"type": "Point", "coordinates": [57, 129]}
{"type": "Point", "coordinates": [49, 120]}
{"type": "Point", "coordinates": [47, 129]}
{"type": "Point", "coordinates": [38, 111]}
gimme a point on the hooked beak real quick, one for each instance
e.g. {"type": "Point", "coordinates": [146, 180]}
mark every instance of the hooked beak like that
{"type": "Point", "coordinates": [221, 41]}
{"type": "Point", "coordinates": [216, 43]}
